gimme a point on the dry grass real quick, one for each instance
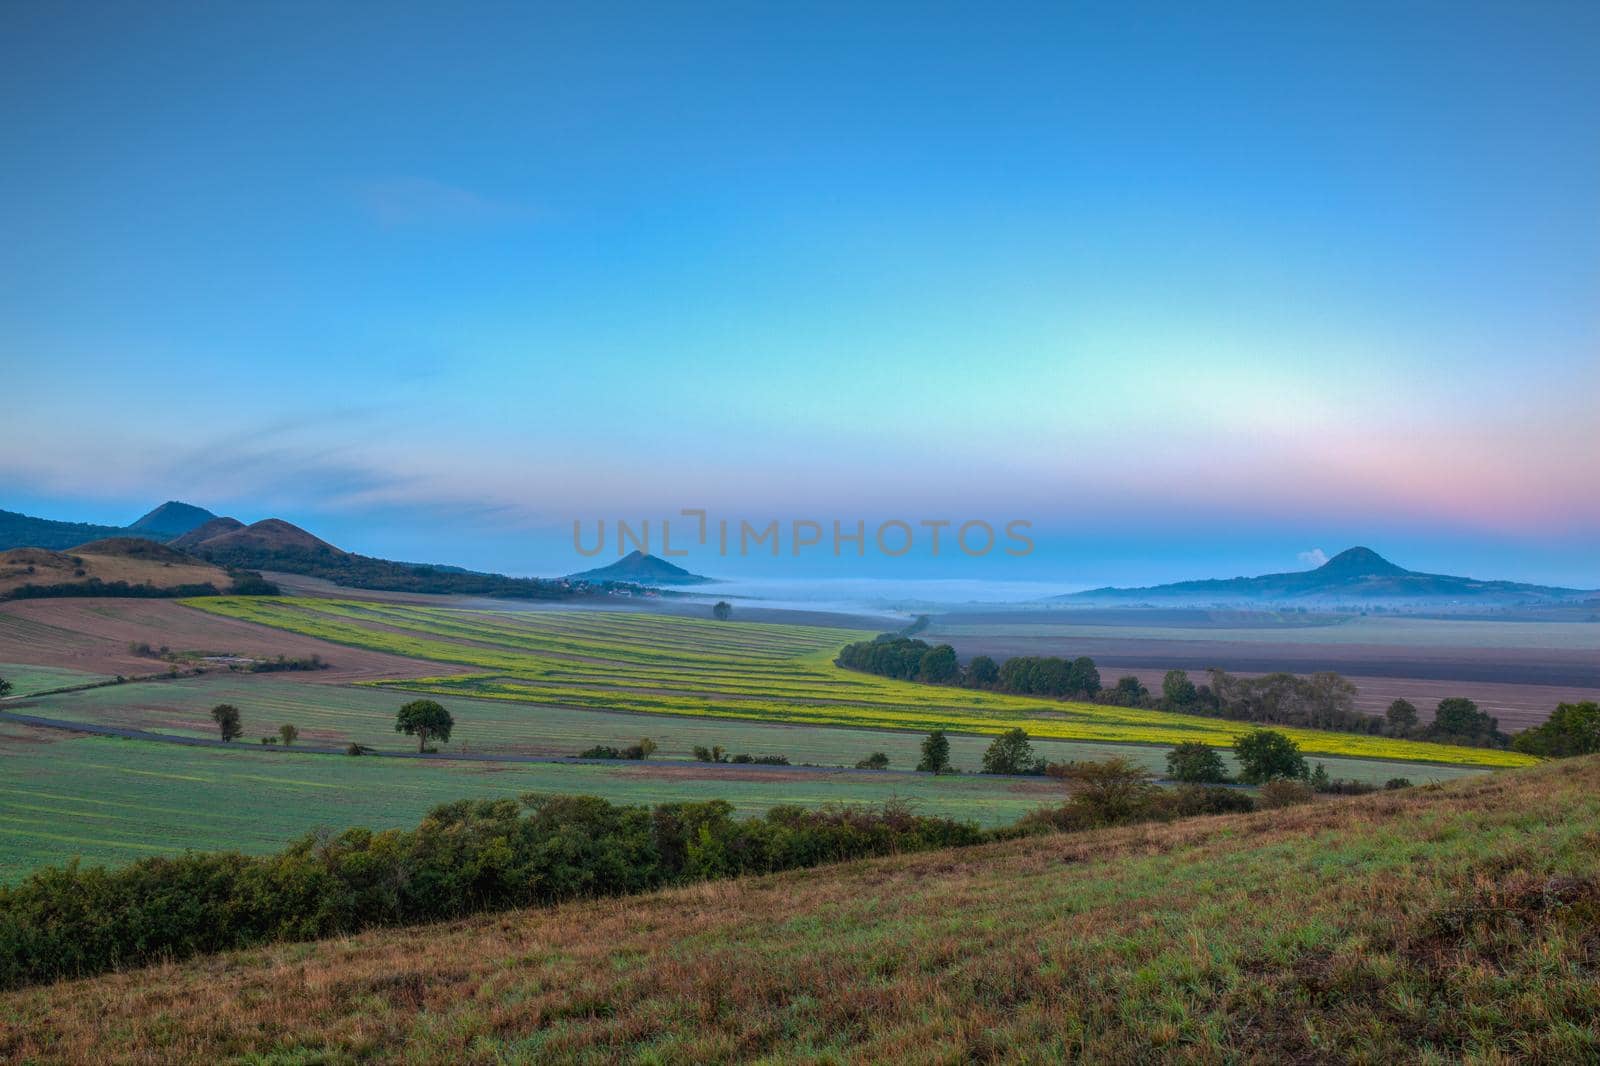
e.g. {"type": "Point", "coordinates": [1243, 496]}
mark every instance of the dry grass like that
{"type": "Point", "coordinates": [1461, 922]}
{"type": "Point", "coordinates": [36, 566]}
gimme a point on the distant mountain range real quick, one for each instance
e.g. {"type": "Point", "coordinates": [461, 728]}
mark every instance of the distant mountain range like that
{"type": "Point", "coordinates": [641, 569]}
{"type": "Point", "coordinates": [1357, 576]}
{"type": "Point", "coordinates": [163, 523]}
{"type": "Point", "coordinates": [195, 534]}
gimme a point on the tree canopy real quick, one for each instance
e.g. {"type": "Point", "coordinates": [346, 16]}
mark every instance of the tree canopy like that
{"type": "Point", "coordinates": [424, 719]}
{"type": "Point", "coordinates": [1267, 755]}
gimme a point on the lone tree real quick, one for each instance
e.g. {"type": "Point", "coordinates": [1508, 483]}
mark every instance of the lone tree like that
{"type": "Point", "coordinates": [288, 733]}
{"type": "Point", "coordinates": [1194, 763]}
{"type": "Point", "coordinates": [723, 610]}
{"type": "Point", "coordinates": [5, 686]}
{"type": "Point", "coordinates": [647, 747]}
{"type": "Point", "coordinates": [935, 753]}
{"type": "Point", "coordinates": [1010, 754]}
{"type": "Point", "coordinates": [424, 719]}
{"type": "Point", "coordinates": [226, 715]}
{"type": "Point", "coordinates": [1268, 755]}
{"type": "Point", "coordinates": [1402, 717]}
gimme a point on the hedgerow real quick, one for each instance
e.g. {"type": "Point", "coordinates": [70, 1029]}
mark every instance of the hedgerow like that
{"type": "Point", "coordinates": [465, 857]}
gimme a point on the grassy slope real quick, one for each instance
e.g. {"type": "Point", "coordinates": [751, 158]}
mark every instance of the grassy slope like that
{"type": "Point", "coordinates": [1429, 925]}
{"type": "Point", "coordinates": [53, 568]}
{"type": "Point", "coordinates": [739, 670]}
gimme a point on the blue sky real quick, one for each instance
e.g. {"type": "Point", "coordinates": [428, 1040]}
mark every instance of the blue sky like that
{"type": "Point", "coordinates": [1193, 288]}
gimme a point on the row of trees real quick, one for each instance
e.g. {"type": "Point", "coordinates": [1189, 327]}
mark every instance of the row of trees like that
{"type": "Point", "coordinates": [1574, 729]}
{"type": "Point", "coordinates": [1323, 700]}
{"type": "Point", "coordinates": [908, 659]}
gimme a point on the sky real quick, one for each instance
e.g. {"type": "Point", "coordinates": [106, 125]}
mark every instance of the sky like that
{"type": "Point", "coordinates": [1194, 290]}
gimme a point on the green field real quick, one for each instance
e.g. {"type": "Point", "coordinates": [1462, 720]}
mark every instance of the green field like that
{"type": "Point", "coordinates": [26, 678]}
{"type": "Point", "coordinates": [111, 800]}
{"type": "Point", "coordinates": [682, 666]}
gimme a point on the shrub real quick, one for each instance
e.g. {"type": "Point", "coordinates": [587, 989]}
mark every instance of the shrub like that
{"type": "Point", "coordinates": [1186, 801]}
{"type": "Point", "coordinates": [1397, 783]}
{"type": "Point", "coordinates": [468, 856]}
{"type": "Point", "coordinates": [1196, 763]}
{"type": "Point", "coordinates": [600, 751]}
{"type": "Point", "coordinates": [1109, 792]}
{"type": "Point", "coordinates": [1010, 754]}
{"type": "Point", "coordinates": [1282, 792]}
{"type": "Point", "coordinates": [876, 761]}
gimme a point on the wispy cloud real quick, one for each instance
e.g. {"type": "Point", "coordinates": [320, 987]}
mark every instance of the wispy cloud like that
{"type": "Point", "coordinates": [1313, 558]}
{"type": "Point", "coordinates": [415, 201]}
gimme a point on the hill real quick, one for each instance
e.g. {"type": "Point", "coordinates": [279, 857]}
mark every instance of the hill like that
{"type": "Point", "coordinates": [204, 532]}
{"type": "Point", "coordinates": [1456, 922]}
{"type": "Point", "coordinates": [1357, 576]}
{"type": "Point", "coordinates": [268, 535]}
{"type": "Point", "coordinates": [25, 531]}
{"type": "Point", "coordinates": [282, 547]}
{"type": "Point", "coordinates": [638, 568]}
{"type": "Point", "coordinates": [114, 566]}
{"type": "Point", "coordinates": [171, 519]}
{"type": "Point", "coordinates": [163, 523]}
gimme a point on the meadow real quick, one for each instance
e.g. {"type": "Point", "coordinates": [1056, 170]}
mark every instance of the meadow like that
{"type": "Point", "coordinates": [1429, 925]}
{"type": "Point", "coordinates": [111, 801]}
{"type": "Point", "coordinates": [656, 664]}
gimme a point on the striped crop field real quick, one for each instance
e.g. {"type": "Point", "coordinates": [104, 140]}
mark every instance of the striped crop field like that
{"type": "Point", "coordinates": [656, 664]}
{"type": "Point", "coordinates": [107, 800]}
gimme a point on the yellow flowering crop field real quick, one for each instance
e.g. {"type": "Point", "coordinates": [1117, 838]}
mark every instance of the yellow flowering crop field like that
{"type": "Point", "coordinates": [664, 664]}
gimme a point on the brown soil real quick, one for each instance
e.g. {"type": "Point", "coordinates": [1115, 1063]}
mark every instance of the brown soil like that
{"type": "Point", "coordinates": [1520, 686]}
{"type": "Point", "coordinates": [93, 634]}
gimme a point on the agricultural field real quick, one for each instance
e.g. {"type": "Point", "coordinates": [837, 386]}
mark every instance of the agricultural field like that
{"type": "Point", "coordinates": [26, 677]}
{"type": "Point", "coordinates": [335, 716]}
{"type": "Point", "coordinates": [1515, 670]}
{"type": "Point", "coordinates": [94, 635]}
{"type": "Point", "coordinates": [112, 801]}
{"type": "Point", "coordinates": [522, 685]}
{"type": "Point", "coordinates": [1428, 925]}
{"type": "Point", "coordinates": [649, 664]}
